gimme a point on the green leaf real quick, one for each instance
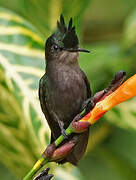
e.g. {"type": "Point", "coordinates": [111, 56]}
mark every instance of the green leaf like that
{"type": "Point", "coordinates": [24, 132]}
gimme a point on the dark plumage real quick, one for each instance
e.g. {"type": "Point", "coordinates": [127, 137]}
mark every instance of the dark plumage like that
{"type": "Point", "coordinates": [64, 88]}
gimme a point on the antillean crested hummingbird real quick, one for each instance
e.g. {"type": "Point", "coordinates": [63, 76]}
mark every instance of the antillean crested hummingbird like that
{"type": "Point", "coordinates": [64, 88]}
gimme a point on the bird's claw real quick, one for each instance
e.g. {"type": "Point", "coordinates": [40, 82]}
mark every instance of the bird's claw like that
{"type": "Point", "coordinates": [63, 132]}
{"type": "Point", "coordinates": [44, 175]}
{"type": "Point", "coordinates": [88, 105]}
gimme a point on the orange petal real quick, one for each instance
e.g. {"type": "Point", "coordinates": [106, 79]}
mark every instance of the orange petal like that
{"type": "Point", "coordinates": [126, 91]}
{"type": "Point", "coordinates": [97, 112]}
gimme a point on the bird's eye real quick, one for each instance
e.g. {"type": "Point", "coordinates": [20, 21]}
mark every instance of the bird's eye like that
{"type": "Point", "coordinates": [56, 47]}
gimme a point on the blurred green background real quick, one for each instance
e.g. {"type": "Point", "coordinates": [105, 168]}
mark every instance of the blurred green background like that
{"type": "Point", "coordinates": [108, 29]}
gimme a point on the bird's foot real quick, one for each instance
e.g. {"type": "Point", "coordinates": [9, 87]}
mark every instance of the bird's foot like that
{"type": "Point", "coordinates": [64, 134]}
{"type": "Point", "coordinates": [44, 175]}
{"type": "Point", "coordinates": [63, 131]}
{"type": "Point", "coordinates": [87, 106]}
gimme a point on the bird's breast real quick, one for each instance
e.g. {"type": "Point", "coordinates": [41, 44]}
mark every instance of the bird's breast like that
{"type": "Point", "coordinates": [67, 92]}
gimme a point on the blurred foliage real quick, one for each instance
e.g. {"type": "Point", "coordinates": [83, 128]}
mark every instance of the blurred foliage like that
{"type": "Point", "coordinates": [43, 14]}
{"type": "Point", "coordinates": [129, 36]}
{"type": "Point", "coordinates": [24, 27]}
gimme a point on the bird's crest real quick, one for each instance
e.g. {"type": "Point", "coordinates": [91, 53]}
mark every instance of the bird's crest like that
{"type": "Point", "coordinates": [65, 36]}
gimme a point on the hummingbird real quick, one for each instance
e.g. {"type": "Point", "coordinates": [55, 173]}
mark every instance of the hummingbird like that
{"type": "Point", "coordinates": [64, 89]}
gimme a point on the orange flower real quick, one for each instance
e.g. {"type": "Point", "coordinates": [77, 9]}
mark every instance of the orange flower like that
{"type": "Point", "coordinates": [126, 91]}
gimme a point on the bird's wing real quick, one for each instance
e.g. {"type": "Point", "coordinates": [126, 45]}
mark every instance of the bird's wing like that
{"type": "Point", "coordinates": [89, 92]}
{"type": "Point", "coordinates": [42, 98]}
{"type": "Point", "coordinates": [55, 130]}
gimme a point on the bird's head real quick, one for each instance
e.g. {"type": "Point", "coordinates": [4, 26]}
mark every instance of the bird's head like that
{"type": "Point", "coordinates": [63, 44]}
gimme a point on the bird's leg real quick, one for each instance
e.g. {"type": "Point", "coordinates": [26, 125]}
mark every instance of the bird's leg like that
{"type": "Point", "coordinates": [61, 125]}
{"type": "Point", "coordinates": [63, 132]}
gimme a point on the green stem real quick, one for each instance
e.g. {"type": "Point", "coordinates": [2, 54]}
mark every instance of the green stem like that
{"type": "Point", "coordinates": [40, 163]}
{"type": "Point", "coordinates": [43, 160]}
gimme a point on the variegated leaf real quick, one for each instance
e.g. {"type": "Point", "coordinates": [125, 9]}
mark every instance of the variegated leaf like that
{"type": "Point", "coordinates": [24, 132]}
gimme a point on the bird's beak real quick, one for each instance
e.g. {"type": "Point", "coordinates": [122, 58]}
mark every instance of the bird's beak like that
{"type": "Point", "coordinates": [78, 50]}
{"type": "Point", "coordinates": [83, 50]}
